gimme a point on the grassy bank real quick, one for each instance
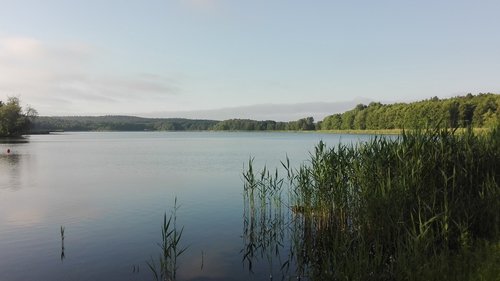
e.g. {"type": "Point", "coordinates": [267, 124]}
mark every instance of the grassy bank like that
{"type": "Point", "coordinates": [424, 206]}
{"type": "Point", "coordinates": [364, 132]}
{"type": "Point", "coordinates": [396, 131]}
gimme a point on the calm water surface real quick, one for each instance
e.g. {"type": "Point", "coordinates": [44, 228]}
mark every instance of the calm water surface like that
{"type": "Point", "coordinates": [110, 191]}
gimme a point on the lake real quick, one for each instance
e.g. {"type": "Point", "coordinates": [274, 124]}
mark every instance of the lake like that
{"type": "Point", "coordinates": [110, 191]}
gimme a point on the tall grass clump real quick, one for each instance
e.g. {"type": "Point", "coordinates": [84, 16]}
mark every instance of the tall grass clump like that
{"type": "Point", "coordinates": [264, 217]}
{"type": "Point", "coordinates": [425, 205]}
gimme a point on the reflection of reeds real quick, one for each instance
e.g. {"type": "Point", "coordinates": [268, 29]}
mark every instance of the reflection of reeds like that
{"type": "Point", "coordinates": [63, 256]}
{"type": "Point", "coordinates": [170, 248]}
{"type": "Point", "coordinates": [385, 209]}
{"type": "Point", "coordinates": [264, 231]}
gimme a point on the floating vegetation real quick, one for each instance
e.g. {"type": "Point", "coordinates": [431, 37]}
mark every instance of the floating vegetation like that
{"type": "Point", "coordinates": [423, 206]}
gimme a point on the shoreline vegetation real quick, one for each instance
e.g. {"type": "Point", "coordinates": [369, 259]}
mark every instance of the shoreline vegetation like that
{"type": "Point", "coordinates": [422, 206]}
{"type": "Point", "coordinates": [477, 111]}
{"type": "Point", "coordinates": [14, 120]}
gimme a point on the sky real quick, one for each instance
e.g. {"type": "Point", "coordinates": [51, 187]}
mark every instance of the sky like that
{"type": "Point", "coordinates": [169, 58]}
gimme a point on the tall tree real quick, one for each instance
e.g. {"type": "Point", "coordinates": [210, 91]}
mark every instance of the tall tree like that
{"type": "Point", "coordinates": [13, 120]}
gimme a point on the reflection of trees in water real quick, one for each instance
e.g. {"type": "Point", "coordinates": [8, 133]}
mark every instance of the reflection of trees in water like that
{"type": "Point", "coordinates": [14, 140]}
{"type": "Point", "coordinates": [10, 165]}
{"type": "Point", "coordinates": [11, 159]}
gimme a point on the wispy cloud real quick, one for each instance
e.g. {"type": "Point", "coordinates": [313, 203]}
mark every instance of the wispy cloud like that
{"type": "Point", "coordinates": [62, 79]}
{"type": "Point", "coordinates": [20, 48]}
{"type": "Point", "coordinates": [26, 50]}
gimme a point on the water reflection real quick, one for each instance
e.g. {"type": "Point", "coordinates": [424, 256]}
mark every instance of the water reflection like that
{"type": "Point", "coordinates": [14, 140]}
{"type": "Point", "coordinates": [9, 164]}
{"type": "Point", "coordinates": [269, 227]}
{"type": "Point", "coordinates": [10, 159]}
{"type": "Point", "coordinates": [105, 188]}
{"type": "Point", "coordinates": [63, 256]}
{"type": "Point", "coordinates": [294, 242]}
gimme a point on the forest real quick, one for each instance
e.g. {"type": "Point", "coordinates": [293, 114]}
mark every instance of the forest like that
{"type": "Point", "coordinates": [131, 123]}
{"type": "Point", "coordinates": [479, 111]}
{"type": "Point", "coordinates": [119, 123]}
{"type": "Point", "coordinates": [482, 110]}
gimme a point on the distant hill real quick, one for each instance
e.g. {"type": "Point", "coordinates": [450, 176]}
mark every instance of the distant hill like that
{"type": "Point", "coordinates": [119, 123]}
{"type": "Point", "coordinates": [132, 123]}
{"type": "Point", "coordinates": [276, 112]}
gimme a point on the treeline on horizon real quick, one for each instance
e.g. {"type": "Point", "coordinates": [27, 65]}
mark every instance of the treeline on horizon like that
{"type": "Point", "coordinates": [482, 110]}
{"type": "Point", "coordinates": [131, 123]}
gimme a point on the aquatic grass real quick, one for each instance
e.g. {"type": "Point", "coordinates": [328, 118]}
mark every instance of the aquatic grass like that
{"type": "Point", "coordinates": [377, 210]}
{"type": "Point", "coordinates": [264, 217]}
{"type": "Point", "coordinates": [170, 248]}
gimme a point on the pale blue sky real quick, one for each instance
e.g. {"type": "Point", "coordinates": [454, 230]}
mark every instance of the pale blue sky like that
{"type": "Point", "coordinates": [147, 57]}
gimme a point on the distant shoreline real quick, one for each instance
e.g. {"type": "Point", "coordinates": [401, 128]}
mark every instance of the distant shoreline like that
{"type": "Point", "coordinates": [340, 132]}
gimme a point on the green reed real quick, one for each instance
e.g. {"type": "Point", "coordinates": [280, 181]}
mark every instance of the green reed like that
{"type": "Point", "coordinates": [264, 230]}
{"type": "Point", "coordinates": [170, 248]}
{"type": "Point", "coordinates": [388, 208]}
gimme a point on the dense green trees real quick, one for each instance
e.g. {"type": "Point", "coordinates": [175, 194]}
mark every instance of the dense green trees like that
{"type": "Point", "coordinates": [120, 123]}
{"type": "Point", "coordinates": [14, 121]}
{"type": "Point", "coordinates": [247, 125]}
{"type": "Point", "coordinates": [304, 124]}
{"type": "Point", "coordinates": [131, 123]}
{"type": "Point", "coordinates": [481, 110]}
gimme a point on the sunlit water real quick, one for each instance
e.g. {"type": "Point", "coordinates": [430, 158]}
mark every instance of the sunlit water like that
{"type": "Point", "coordinates": [110, 191]}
